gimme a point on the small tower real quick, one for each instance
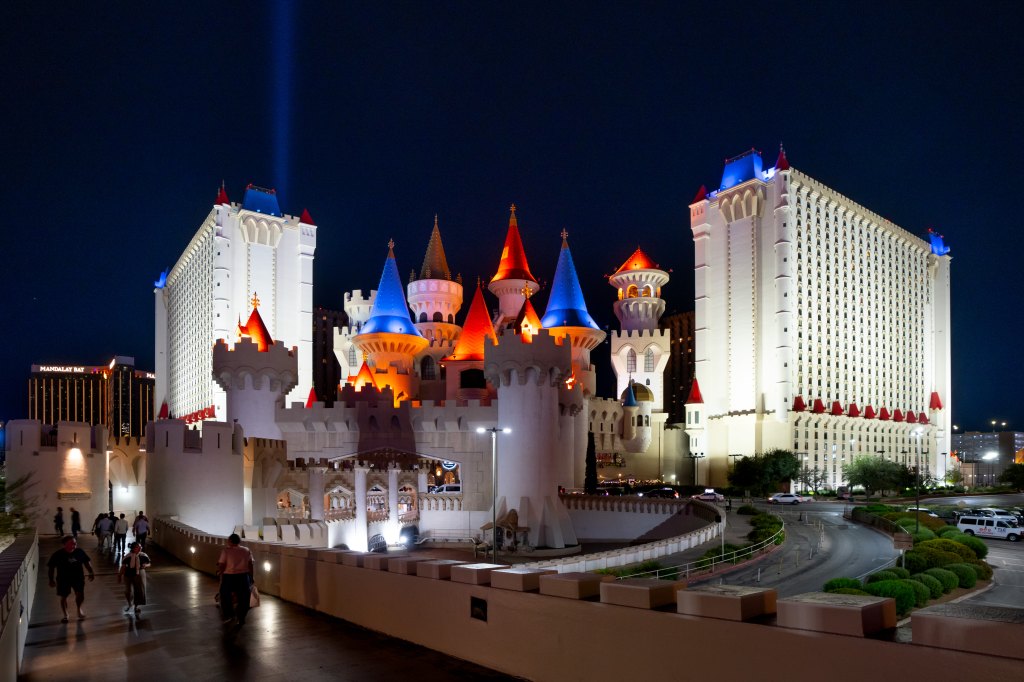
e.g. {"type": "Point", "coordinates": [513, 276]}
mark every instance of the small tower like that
{"type": "Point", "coordinates": [435, 299]}
{"type": "Point", "coordinates": [695, 423]}
{"type": "Point", "coordinates": [464, 368]}
{"type": "Point", "coordinates": [637, 431]}
{"type": "Point", "coordinates": [513, 277]}
{"type": "Point", "coordinates": [640, 350]}
{"type": "Point", "coordinates": [358, 308]}
{"type": "Point", "coordinates": [255, 374]}
{"type": "Point", "coordinates": [388, 338]}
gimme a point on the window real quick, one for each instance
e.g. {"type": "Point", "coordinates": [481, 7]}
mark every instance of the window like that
{"type": "Point", "coordinates": [649, 360]}
{"type": "Point", "coordinates": [428, 369]}
{"type": "Point", "coordinates": [351, 356]}
{"type": "Point", "coordinates": [631, 361]}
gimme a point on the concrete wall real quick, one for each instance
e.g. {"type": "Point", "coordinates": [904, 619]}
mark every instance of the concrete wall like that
{"type": "Point", "coordinates": [19, 566]}
{"type": "Point", "coordinates": [550, 638]}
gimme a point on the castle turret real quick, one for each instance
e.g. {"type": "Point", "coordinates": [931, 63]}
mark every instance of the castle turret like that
{"type": "Point", "coordinates": [637, 402]}
{"type": "Point", "coordinates": [527, 377]}
{"type": "Point", "coordinates": [640, 350]}
{"type": "Point", "coordinates": [435, 299]}
{"type": "Point", "coordinates": [389, 339]}
{"type": "Point", "coordinates": [357, 308]}
{"type": "Point", "coordinates": [256, 373]}
{"type": "Point", "coordinates": [695, 420]}
{"type": "Point", "coordinates": [513, 282]}
{"type": "Point", "coordinates": [464, 368]}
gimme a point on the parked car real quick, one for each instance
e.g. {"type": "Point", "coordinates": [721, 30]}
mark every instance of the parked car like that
{"type": "Point", "coordinates": [989, 527]}
{"type": "Point", "coordinates": [923, 510]}
{"type": "Point", "coordinates": [709, 495]}
{"type": "Point", "coordinates": [447, 489]}
{"type": "Point", "coordinates": [667, 493]}
{"type": "Point", "coordinates": [786, 498]}
{"type": "Point", "coordinates": [1001, 514]}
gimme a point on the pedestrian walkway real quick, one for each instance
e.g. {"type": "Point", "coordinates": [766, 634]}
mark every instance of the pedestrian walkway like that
{"type": "Point", "coordinates": [179, 636]}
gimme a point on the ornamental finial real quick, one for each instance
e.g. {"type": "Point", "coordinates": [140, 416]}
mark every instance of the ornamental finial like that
{"type": "Point", "coordinates": [255, 300]}
{"type": "Point", "coordinates": [565, 236]}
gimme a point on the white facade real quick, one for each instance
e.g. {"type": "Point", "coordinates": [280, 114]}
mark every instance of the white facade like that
{"type": "Point", "coordinates": [240, 250]}
{"type": "Point", "coordinates": [799, 291]}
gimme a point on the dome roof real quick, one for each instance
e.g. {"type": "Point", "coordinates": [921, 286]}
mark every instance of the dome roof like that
{"type": "Point", "coordinates": [640, 392]}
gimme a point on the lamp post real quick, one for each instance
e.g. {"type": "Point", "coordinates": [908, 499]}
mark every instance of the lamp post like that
{"type": "Point", "coordinates": [917, 483]}
{"type": "Point", "coordinates": [494, 431]}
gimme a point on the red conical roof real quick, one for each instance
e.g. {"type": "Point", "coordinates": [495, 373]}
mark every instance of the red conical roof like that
{"type": "Point", "coordinates": [936, 402]}
{"type": "Point", "coordinates": [922, 419]}
{"type": "Point", "coordinates": [854, 411]}
{"type": "Point", "coordinates": [513, 263]}
{"type": "Point", "coordinates": [695, 397]}
{"type": "Point", "coordinates": [306, 218]}
{"type": "Point", "coordinates": [312, 397]}
{"type": "Point", "coordinates": [363, 377]}
{"type": "Point", "coordinates": [638, 261]}
{"type": "Point", "coordinates": [782, 163]}
{"type": "Point", "coordinates": [222, 197]}
{"type": "Point", "coordinates": [883, 414]}
{"type": "Point", "coordinates": [255, 329]}
{"type": "Point", "coordinates": [819, 407]}
{"type": "Point", "coordinates": [702, 194]}
{"type": "Point", "coordinates": [164, 412]}
{"type": "Point", "coordinates": [837, 409]}
{"type": "Point", "coordinates": [911, 417]}
{"type": "Point", "coordinates": [527, 321]}
{"type": "Point", "coordinates": [869, 412]}
{"type": "Point", "coordinates": [798, 404]}
{"type": "Point", "coordinates": [897, 415]}
{"type": "Point", "coordinates": [475, 329]}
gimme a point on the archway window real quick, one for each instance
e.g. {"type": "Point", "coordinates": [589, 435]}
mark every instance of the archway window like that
{"type": "Point", "coordinates": [631, 360]}
{"type": "Point", "coordinates": [352, 356]}
{"type": "Point", "coordinates": [423, 317]}
{"type": "Point", "coordinates": [451, 319]}
{"type": "Point", "coordinates": [438, 317]}
{"type": "Point", "coordinates": [647, 291]}
{"type": "Point", "coordinates": [632, 291]}
{"type": "Point", "coordinates": [649, 360]}
{"type": "Point", "coordinates": [428, 369]}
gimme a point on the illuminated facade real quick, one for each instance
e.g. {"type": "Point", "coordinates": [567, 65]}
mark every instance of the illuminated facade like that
{"type": "Point", "coordinates": [239, 250]}
{"type": "Point", "coordinates": [820, 327]}
{"type": "Point", "coordinates": [115, 395]}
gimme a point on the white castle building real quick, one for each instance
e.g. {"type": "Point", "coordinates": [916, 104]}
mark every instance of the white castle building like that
{"type": "Point", "coordinates": [239, 250]}
{"type": "Point", "coordinates": [821, 327]}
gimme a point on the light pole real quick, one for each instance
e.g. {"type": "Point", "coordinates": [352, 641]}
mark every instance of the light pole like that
{"type": "Point", "coordinates": [494, 431]}
{"type": "Point", "coordinates": [917, 483]}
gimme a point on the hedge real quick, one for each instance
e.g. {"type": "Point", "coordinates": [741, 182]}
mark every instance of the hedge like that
{"type": "Point", "coordinates": [900, 572]}
{"type": "Point", "coordinates": [931, 582]}
{"type": "Point", "coordinates": [965, 573]}
{"type": "Point", "coordinates": [903, 593]}
{"type": "Point", "coordinates": [922, 535]}
{"type": "Point", "coordinates": [921, 592]}
{"type": "Point", "coordinates": [949, 579]}
{"type": "Point", "coordinates": [948, 530]}
{"type": "Point", "coordinates": [851, 590]}
{"type": "Point", "coordinates": [841, 583]}
{"type": "Point", "coordinates": [980, 548]}
{"type": "Point", "coordinates": [747, 510]}
{"type": "Point", "coordinates": [943, 545]}
{"type": "Point", "coordinates": [881, 575]}
{"type": "Point", "coordinates": [983, 570]}
{"type": "Point", "coordinates": [915, 562]}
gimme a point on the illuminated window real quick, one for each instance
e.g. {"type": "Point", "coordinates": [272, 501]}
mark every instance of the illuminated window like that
{"type": "Point", "coordinates": [649, 360]}
{"type": "Point", "coordinates": [631, 361]}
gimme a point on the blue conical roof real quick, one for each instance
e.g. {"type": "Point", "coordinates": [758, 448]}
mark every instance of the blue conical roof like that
{"type": "Point", "coordinates": [390, 311]}
{"type": "Point", "coordinates": [628, 399]}
{"type": "Point", "coordinates": [566, 307]}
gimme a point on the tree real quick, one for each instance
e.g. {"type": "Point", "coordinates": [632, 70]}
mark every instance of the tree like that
{"type": "Point", "coordinates": [1013, 476]}
{"type": "Point", "coordinates": [764, 472]}
{"type": "Point", "coordinates": [18, 510]}
{"type": "Point", "coordinates": [876, 474]}
{"type": "Point", "coordinates": [590, 474]}
{"type": "Point", "coordinates": [954, 476]}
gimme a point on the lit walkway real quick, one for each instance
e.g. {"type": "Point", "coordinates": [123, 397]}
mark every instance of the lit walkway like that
{"type": "Point", "coordinates": [180, 637]}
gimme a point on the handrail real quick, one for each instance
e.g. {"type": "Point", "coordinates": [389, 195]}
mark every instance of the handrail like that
{"type": "Point", "coordinates": [702, 566]}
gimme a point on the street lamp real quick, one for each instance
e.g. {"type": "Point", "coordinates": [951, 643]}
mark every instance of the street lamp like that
{"type": "Point", "coordinates": [494, 431]}
{"type": "Point", "coordinates": [917, 483]}
{"type": "Point", "coordinates": [990, 457]}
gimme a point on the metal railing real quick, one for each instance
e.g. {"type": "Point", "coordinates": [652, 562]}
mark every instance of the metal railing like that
{"type": "Point", "coordinates": [708, 565]}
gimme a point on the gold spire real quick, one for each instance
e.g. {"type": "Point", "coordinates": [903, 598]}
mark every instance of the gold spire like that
{"type": "Point", "coordinates": [565, 236]}
{"type": "Point", "coordinates": [255, 300]}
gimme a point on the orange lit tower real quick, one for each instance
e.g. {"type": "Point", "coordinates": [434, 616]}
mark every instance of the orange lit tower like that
{"type": "Point", "coordinates": [435, 299]}
{"type": "Point", "coordinates": [389, 339]}
{"type": "Point", "coordinates": [465, 366]}
{"type": "Point", "coordinates": [513, 277]}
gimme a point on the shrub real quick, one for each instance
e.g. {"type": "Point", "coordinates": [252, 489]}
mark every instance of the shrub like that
{"type": "Point", "coordinates": [979, 548]}
{"type": "Point", "coordinates": [878, 576]}
{"type": "Point", "coordinates": [943, 545]}
{"type": "Point", "coordinates": [922, 535]}
{"type": "Point", "coordinates": [965, 573]}
{"type": "Point", "coordinates": [983, 570]}
{"type": "Point", "coordinates": [915, 562]}
{"type": "Point", "coordinates": [931, 582]}
{"type": "Point", "coordinates": [841, 583]}
{"type": "Point", "coordinates": [937, 558]}
{"type": "Point", "coordinates": [878, 508]}
{"type": "Point", "coordinates": [948, 579]}
{"type": "Point", "coordinates": [897, 589]}
{"type": "Point", "coordinates": [766, 521]}
{"type": "Point", "coordinates": [747, 510]}
{"type": "Point", "coordinates": [851, 590]}
{"type": "Point", "coordinates": [921, 592]}
{"type": "Point", "coordinates": [948, 530]}
{"type": "Point", "coordinates": [900, 572]}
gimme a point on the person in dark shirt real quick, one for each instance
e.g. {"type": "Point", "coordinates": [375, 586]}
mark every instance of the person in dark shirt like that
{"type": "Point", "coordinates": [58, 521]}
{"type": "Point", "coordinates": [133, 568]}
{"type": "Point", "coordinates": [76, 522]}
{"type": "Point", "coordinates": [69, 564]}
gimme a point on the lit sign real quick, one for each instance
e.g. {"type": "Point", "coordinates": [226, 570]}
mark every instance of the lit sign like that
{"type": "Point", "coordinates": [448, 466]}
{"type": "Point", "coordinates": [69, 369]}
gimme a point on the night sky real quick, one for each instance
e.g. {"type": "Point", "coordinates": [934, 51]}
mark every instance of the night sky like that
{"type": "Point", "coordinates": [122, 119]}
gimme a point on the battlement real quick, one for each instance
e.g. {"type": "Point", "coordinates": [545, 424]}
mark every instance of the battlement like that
{"type": "Point", "coordinates": [547, 355]}
{"type": "Point", "coordinates": [641, 334]}
{"type": "Point", "coordinates": [232, 365]}
{"type": "Point", "coordinates": [31, 435]}
{"type": "Point", "coordinates": [172, 437]}
{"type": "Point", "coordinates": [303, 463]}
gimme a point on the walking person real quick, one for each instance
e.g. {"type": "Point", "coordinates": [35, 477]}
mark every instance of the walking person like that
{"type": "Point", "coordinates": [76, 523]}
{"type": "Point", "coordinates": [66, 571]}
{"type": "Point", "coordinates": [58, 521]}
{"type": "Point", "coordinates": [132, 570]}
{"type": "Point", "coordinates": [235, 568]}
{"type": "Point", "coordinates": [104, 528]}
{"type": "Point", "coordinates": [120, 534]}
{"type": "Point", "coordinates": [141, 529]}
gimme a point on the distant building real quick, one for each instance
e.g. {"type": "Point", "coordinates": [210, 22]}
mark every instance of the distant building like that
{"type": "Point", "coordinates": [115, 395]}
{"type": "Point", "coordinates": [983, 455]}
{"type": "Point", "coordinates": [679, 370]}
{"type": "Point", "coordinates": [326, 368]}
{"type": "Point", "coordinates": [820, 327]}
{"type": "Point", "coordinates": [241, 252]}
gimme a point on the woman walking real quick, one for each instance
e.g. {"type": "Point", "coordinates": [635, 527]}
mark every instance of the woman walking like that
{"type": "Point", "coordinates": [132, 570]}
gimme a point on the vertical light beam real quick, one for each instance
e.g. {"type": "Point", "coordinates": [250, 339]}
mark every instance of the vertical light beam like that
{"type": "Point", "coordinates": [283, 39]}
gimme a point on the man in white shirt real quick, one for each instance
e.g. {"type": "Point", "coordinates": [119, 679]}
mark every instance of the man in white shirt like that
{"type": "Point", "coordinates": [120, 534]}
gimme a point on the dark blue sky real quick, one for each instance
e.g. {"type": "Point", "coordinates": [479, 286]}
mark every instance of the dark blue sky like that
{"type": "Point", "coordinates": [121, 120]}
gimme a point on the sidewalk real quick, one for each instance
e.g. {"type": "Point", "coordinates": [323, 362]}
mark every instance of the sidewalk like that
{"type": "Point", "coordinates": [180, 637]}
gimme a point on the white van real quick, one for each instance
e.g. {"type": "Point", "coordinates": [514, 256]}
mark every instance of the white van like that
{"type": "Point", "coordinates": [448, 488]}
{"type": "Point", "coordinates": [988, 527]}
